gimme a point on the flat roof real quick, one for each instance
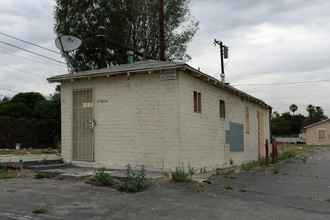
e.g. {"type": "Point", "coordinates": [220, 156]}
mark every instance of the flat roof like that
{"type": "Point", "coordinates": [153, 65]}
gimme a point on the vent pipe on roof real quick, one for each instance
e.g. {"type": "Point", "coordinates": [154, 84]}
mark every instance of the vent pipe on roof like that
{"type": "Point", "coordinates": [130, 56]}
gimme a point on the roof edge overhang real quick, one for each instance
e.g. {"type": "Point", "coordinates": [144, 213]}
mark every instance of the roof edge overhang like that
{"type": "Point", "coordinates": [108, 72]}
{"type": "Point", "coordinates": [320, 122]}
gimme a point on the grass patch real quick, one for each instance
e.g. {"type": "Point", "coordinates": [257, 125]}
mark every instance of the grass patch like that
{"type": "Point", "coordinates": [181, 176]}
{"type": "Point", "coordinates": [327, 200]}
{"type": "Point", "coordinates": [29, 151]}
{"type": "Point", "coordinates": [4, 172]}
{"type": "Point", "coordinates": [223, 173]}
{"type": "Point", "coordinates": [228, 187]}
{"type": "Point", "coordinates": [253, 164]}
{"type": "Point", "coordinates": [243, 190]}
{"type": "Point", "coordinates": [40, 210]}
{"type": "Point", "coordinates": [41, 175]}
{"type": "Point", "coordinates": [312, 198]}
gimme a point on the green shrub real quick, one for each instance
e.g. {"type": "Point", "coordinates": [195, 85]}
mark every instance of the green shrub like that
{"type": "Point", "coordinates": [101, 178]}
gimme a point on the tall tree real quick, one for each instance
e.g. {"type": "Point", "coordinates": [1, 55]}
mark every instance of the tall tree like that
{"type": "Point", "coordinates": [133, 23]}
{"type": "Point", "coordinates": [293, 108]}
{"type": "Point", "coordinates": [315, 114]}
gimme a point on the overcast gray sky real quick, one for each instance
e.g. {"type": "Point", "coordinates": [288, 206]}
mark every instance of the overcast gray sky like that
{"type": "Point", "coordinates": [271, 42]}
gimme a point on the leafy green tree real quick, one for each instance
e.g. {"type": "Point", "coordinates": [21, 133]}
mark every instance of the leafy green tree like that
{"type": "Point", "coordinates": [280, 126]}
{"type": "Point", "coordinates": [315, 114]}
{"type": "Point", "coordinates": [133, 23]}
{"type": "Point", "coordinates": [30, 119]}
{"type": "Point", "coordinates": [30, 99]}
{"type": "Point", "coordinates": [57, 93]}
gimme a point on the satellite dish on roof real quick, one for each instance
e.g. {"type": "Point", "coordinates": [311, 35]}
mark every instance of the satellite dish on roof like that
{"type": "Point", "coordinates": [67, 43]}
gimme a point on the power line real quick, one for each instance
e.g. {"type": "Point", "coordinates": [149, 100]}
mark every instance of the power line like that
{"type": "Point", "coordinates": [29, 43]}
{"type": "Point", "coordinates": [23, 71]}
{"type": "Point", "coordinates": [32, 52]}
{"type": "Point", "coordinates": [23, 57]}
{"type": "Point", "coordinates": [284, 83]}
{"type": "Point", "coordinates": [261, 92]}
{"type": "Point", "coordinates": [9, 90]}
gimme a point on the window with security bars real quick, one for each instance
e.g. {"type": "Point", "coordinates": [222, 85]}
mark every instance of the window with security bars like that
{"type": "Point", "coordinates": [197, 102]}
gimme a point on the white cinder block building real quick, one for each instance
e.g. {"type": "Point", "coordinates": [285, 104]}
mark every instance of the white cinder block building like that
{"type": "Point", "coordinates": [158, 114]}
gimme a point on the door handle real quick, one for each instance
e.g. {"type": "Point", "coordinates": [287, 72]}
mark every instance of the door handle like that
{"type": "Point", "coordinates": [91, 125]}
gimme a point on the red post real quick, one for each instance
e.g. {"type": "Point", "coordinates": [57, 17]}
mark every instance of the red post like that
{"type": "Point", "coordinates": [267, 154]}
{"type": "Point", "coordinates": [276, 155]}
{"type": "Point", "coordinates": [273, 151]}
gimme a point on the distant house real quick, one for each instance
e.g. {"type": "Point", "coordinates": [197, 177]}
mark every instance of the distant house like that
{"type": "Point", "coordinates": [318, 133]}
{"type": "Point", "coordinates": [158, 114]}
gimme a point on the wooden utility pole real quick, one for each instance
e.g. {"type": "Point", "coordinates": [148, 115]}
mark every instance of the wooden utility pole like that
{"type": "Point", "coordinates": [161, 31]}
{"type": "Point", "coordinates": [222, 47]}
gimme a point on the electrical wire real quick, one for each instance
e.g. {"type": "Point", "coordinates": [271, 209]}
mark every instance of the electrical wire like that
{"type": "Point", "coordinates": [9, 90]}
{"type": "Point", "coordinates": [284, 83]}
{"type": "Point", "coordinates": [23, 57]}
{"type": "Point", "coordinates": [29, 43]}
{"type": "Point", "coordinates": [32, 52]}
{"type": "Point", "coordinates": [23, 71]}
{"type": "Point", "coordinates": [261, 92]}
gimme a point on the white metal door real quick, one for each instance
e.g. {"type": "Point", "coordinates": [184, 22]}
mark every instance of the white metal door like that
{"type": "Point", "coordinates": [83, 125]}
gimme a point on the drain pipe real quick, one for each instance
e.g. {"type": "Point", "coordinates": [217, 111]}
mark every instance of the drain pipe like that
{"type": "Point", "coordinates": [130, 56]}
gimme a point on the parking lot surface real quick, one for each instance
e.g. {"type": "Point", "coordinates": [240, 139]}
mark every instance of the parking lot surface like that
{"type": "Point", "coordinates": [299, 191]}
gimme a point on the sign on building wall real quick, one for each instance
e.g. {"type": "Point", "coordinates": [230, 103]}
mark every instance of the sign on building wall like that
{"type": "Point", "coordinates": [168, 74]}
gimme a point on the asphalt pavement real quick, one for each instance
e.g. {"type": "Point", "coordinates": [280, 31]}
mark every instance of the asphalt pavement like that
{"type": "Point", "coordinates": [299, 191]}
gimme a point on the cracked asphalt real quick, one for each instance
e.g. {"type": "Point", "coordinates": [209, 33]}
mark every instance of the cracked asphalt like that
{"type": "Point", "coordinates": [299, 191]}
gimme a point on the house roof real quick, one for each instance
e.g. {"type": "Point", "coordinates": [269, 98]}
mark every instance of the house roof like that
{"type": "Point", "coordinates": [317, 123]}
{"type": "Point", "coordinates": [149, 66]}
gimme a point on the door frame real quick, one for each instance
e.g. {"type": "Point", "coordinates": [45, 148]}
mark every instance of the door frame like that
{"type": "Point", "coordinates": [90, 157]}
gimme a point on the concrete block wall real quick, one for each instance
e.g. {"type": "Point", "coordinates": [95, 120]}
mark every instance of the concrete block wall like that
{"type": "Point", "coordinates": [202, 135]}
{"type": "Point", "coordinates": [145, 121]}
{"type": "Point", "coordinates": [136, 121]}
{"type": "Point", "coordinates": [312, 134]}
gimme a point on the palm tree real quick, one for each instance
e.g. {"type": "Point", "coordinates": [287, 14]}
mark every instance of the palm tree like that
{"type": "Point", "coordinates": [293, 108]}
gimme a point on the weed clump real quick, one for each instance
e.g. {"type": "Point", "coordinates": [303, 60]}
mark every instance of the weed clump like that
{"type": "Point", "coordinates": [4, 172]}
{"type": "Point", "coordinates": [133, 182]}
{"type": "Point", "coordinates": [228, 187]}
{"type": "Point", "coordinates": [181, 176]}
{"type": "Point", "coordinates": [40, 175]}
{"type": "Point", "coordinates": [101, 178]}
{"type": "Point", "coordinates": [40, 210]}
{"type": "Point", "coordinates": [253, 164]}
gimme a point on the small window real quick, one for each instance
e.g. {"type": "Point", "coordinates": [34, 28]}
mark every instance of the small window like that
{"type": "Point", "coordinates": [247, 121]}
{"type": "Point", "coordinates": [197, 102]}
{"type": "Point", "coordinates": [222, 109]}
{"type": "Point", "coordinates": [321, 133]}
